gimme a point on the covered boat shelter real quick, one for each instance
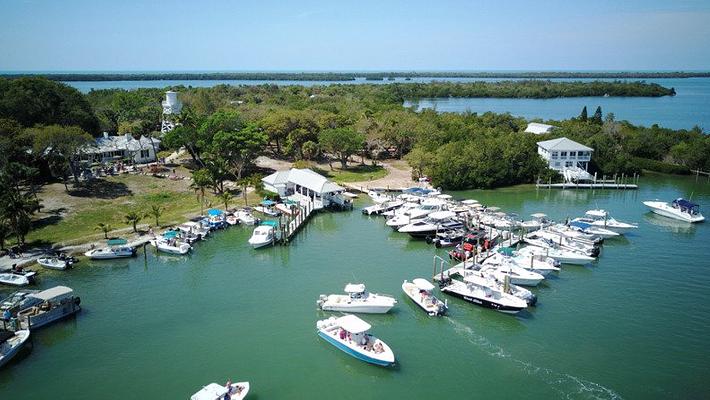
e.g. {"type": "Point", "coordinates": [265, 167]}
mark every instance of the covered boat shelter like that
{"type": "Point", "coordinates": [305, 184]}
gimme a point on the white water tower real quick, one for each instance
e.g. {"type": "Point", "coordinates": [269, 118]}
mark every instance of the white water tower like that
{"type": "Point", "coordinates": [171, 107]}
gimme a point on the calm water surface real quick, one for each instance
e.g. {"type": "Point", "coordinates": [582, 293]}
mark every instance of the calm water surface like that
{"type": "Point", "coordinates": [632, 325]}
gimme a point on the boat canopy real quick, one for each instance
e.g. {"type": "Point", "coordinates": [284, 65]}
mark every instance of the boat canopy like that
{"type": "Point", "coordinates": [267, 202]}
{"type": "Point", "coordinates": [423, 284]}
{"type": "Point", "coordinates": [685, 204]}
{"type": "Point", "coordinates": [538, 215]}
{"type": "Point", "coordinates": [440, 215]}
{"type": "Point", "coordinates": [212, 391]}
{"type": "Point", "coordinates": [354, 288]}
{"type": "Point", "coordinates": [117, 242]}
{"type": "Point", "coordinates": [417, 190]}
{"type": "Point", "coordinates": [213, 212]}
{"type": "Point", "coordinates": [170, 234]}
{"type": "Point", "coordinates": [580, 224]}
{"type": "Point", "coordinates": [506, 251]}
{"type": "Point", "coordinates": [275, 224]}
{"type": "Point", "coordinates": [53, 293]}
{"type": "Point", "coordinates": [353, 324]}
{"type": "Point", "coordinates": [597, 213]}
{"type": "Point", "coordinates": [469, 202]}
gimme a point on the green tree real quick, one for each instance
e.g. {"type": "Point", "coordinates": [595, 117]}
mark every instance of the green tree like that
{"type": "Point", "coordinates": [310, 150]}
{"type": "Point", "coordinates": [341, 142]}
{"type": "Point", "coordinates": [250, 181]}
{"type": "Point", "coordinates": [201, 180]}
{"type": "Point", "coordinates": [226, 198]}
{"type": "Point", "coordinates": [62, 148]}
{"type": "Point", "coordinates": [597, 117]}
{"type": "Point", "coordinates": [156, 212]}
{"type": "Point", "coordinates": [239, 148]}
{"type": "Point", "coordinates": [583, 114]}
{"type": "Point", "coordinates": [133, 217]}
{"type": "Point", "coordinates": [105, 228]}
{"type": "Point", "coordinates": [420, 160]}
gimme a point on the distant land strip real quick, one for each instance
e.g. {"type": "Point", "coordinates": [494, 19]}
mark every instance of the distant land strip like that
{"type": "Point", "coordinates": [348, 76]}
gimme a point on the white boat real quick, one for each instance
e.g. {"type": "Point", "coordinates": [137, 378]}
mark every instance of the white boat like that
{"type": "Point", "coordinates": [53, 263]}
{"type": "Point", "coordinates": [214, 391]}
{"type": "Point", "coordinates": [679, 209]}
{"type": "Point", "coordinates": [117, 248]}
{"type": "Point", "coordinates": [17, 301]}
{"type": "Point", "coordinates": [357, 300]}
{"type": "Point", "coordinates": [434, 222]}
{"type": "Point", "coordinates": [263, 235]}
{"type": "Point", "coordinates": [379, 196]}
{"type": "Point", "coordinates": [561, 255]}
{"type": "Point", "coordinates": [232, 219]}
{"type": "Point", "coordinates": [539, 220]}
{"type": "Point", "coordinates": [536, 263]}
{"type": "Point", "coordinates": [194, 228]}
{"type": "Point", "coordinates": [171, 245]}
{"type": "Point", "coordinates": [349, 334]}
{"type": "Point", "coordinates": [9, 278]}
{"type": "Point", "coordinates": [483, 292]}
{"type": "Point", "coordinates": [269, 210]}
{"type": "Point", "coordinates": [601, 218]}
{"type": "Point", "coordinates": [517, 275]}
{"type": "Point", "coordinates": [11, 343]}
{"type": "Point", "coordinates": [420, 291]}
{"type": "Point", "coordinates": [48, 306]}
{"type": "Point", "coordinates": [593, 230]}
{"type": "Point", "coordinates": [245, 217]}
{"type": "Point", "coordinates": [381, 208]}
{"type": "Point", "coordinates": [552, 240]}
{"type": "Point", "coordinates": [407, 206]}
{"type": "Point", "coordinates": [425, 208]}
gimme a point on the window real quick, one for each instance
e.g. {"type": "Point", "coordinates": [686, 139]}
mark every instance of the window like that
{"type": "Point", "coordinates": [563, 154]}
{"type": "Point", "coordinates": [569, 163]}
{"type": "Point", "coordinates": [554, 155]}
{"type": "Point", "coordinates": [145, 153]}
{"type": "Point", "coordinates": [557, 163]}
{"type": "Point", "coordinates": [572, 154]}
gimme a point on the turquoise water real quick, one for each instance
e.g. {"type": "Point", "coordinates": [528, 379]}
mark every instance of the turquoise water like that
{"type": "Point", "coordinates": [632, 325]}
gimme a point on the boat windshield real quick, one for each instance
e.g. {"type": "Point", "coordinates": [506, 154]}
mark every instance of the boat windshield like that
{"type": "Point", "coordinates": [686, 206]}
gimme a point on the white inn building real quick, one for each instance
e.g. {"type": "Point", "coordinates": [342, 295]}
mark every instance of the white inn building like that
{"type": "Point", "coordinates": [566, 156]}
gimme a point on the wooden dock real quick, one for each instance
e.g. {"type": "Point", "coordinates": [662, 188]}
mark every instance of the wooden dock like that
{"type": "Point", "coordinates": [289, 225]}
{"type": "Point", "coordinates": [597, 185]}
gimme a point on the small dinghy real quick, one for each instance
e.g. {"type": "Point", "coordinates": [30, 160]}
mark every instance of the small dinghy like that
{"type": "Point", "coordinates": [420, 291]}
{"type": "Point", "coordinates": [214, 391]}
{"type": "Point", "coordinates": [53, 263]}
{"type": "Point", "coordinates": [349, 334]}
{"type": "Point", "coordinates": [11, 343]}
{"type": "Point", "coordinates": [357, 300]}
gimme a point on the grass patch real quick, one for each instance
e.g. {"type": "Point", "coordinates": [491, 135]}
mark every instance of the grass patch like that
{"type": "Point", "coordinates": [358, 173]}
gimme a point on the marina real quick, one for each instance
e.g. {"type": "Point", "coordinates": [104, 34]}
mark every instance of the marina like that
{"type": "Point", "coordinates": [579, 304]}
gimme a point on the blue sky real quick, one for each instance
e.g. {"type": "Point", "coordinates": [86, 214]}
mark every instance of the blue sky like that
{"type": "Point", "coordinates": [354, 35]}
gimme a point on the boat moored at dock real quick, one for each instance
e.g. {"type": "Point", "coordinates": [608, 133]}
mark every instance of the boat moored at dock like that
{"type": "Point", "coordinates": [420, 291]}
{"type": "Point", "coordinates": [601, 218]}
{"type": "Point", "coordinates": [350, 335]}
{"type": "Point", "coordinates": [11, 343]}
{"type": "Point", "coordinates": [264, 234]}
{"type": "Point", "coordinates": [116, 248]}
{"type": "Point", "coordinates": [48, 306]}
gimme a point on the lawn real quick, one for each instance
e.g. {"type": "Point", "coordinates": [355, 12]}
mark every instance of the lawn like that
{"type": "Point", "coordinates": [72, 217]}
{"type": "Point", "coordinates": [359, 173]}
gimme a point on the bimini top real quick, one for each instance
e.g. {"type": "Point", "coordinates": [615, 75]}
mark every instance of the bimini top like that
{"type": "Point", "coordinates": [267, 202]}
{"type": "Point", "coordinates": [506, 251]}
{"type": "Point", "coordinates": [212, 391]}
{"type": "Point", "coordinates": [423, 284]}
{"type": "Point", "coordinates": [170, 234]}
{"type": "Point", "coordinates": [681, 202]}
{"type": "Point", "coordinates": [53, 293]}
{"type": "Point", "coordinates": [274, 224]}
{"type": "Point", "coordinates": [580, 224]}
{"type": "Point", "coordinates": [353, 324]}
{"type": "Point", "coordinates": [302, 177]}
{"type": "Point", "coordinates": [354, 288]}
{"type": "Point", "coordinates": [213, 212]}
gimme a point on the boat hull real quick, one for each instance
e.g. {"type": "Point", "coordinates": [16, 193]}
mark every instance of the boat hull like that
{"type": "Point", "coordinates": [484, 302]}
{"type": "Point", "coordinates": [258, 245]}
{"type": "Point", "coordinates": [359, 308]}
{"type": "Point", "coordinates": [7, 357]}
{"type": "Point", "coordinates": [658, 208]}
{"type": "Point", "coordinates": [360, 356]}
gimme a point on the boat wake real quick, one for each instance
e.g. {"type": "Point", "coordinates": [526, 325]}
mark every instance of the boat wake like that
{"type": "Point", "coordinates": [569, 386]}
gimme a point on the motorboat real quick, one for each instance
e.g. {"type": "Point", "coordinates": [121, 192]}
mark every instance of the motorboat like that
{"type": "Point", "coordinates": [381, 208]}
{"type": "Point", "coordinates": [116, 248]}
{"type": "Point", "coordinates": [483, 292]}
{"type": "Point", "coordinates": [245, 217]}
{"type": "Point", "coordinates": [602, 219]}
{"type": "Point", "coordinates": [17, 301]}
{"type": "Point", "coordinates": [48, 306]}
{"type": "Point", "coordinates": [471, 268]}
{"type": "Point", "coordinates": [592, 230]}
{"type": "Point", "coordinates": [536, 263]}
{"type": "Point", "coordinates": [439, 220]}
{"type": "Point", "coordinates": [14, 279]}
{"type": "Point", "coordinates": [407, 206]}
{"type": "Point", "coordinates": [214, 391]}
{"type": "Point", "coordinates": [216, 219]}
{"type": "Point", "coordinates": [517, 275]}
{"type": "Point", "coordinates": [539, 220]}
{"type": "Point", "coordinates": [447, 238]}
{"type": "Point", "coordinates": [420, 291]}
{"type": "Point", "coordinates": [350, 335]}
{"type": "Point", "coordinates": [547, 239]}
{"type": "Point", "coordinates": [53, 263]}
{"type": "Point", "coordinates": [231, 220]}
{"type": "Point", "coordinates": [573, 232]}
{"type": "Point", "coordinates": [379, 196]}
{"type": "Point", "coordinates": [427, 207]}
{"type": "Point", "coordinates": [357, 300]}
{"type": "Point", "coordinates": [561, 255]}
{"type": "Point", "coordinates": [170, 243]}
{"type": "Point", "coordinates": [264, 234]}
{"type": "Point", "coordinates": [11, 343]}
{"type": "Point", "coordinates": [679, 209]}
{"type": "Point", "coordinates": [195, 228]}
{"type": "Point", "coordinates": [189, 237]}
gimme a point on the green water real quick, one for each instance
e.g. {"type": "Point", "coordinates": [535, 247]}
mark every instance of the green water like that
{"type": "Point", "coordinates": [632, 325]}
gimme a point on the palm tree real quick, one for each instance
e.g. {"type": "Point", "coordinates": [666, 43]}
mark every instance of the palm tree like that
{"type": "Point", "coordinates": [133, 217]}
{"type": "Point", "coordinates": [201, 180]}
{"type": "Point", "coordinates": [253, 181]}
{"type": "Point", "coordinates": [17, 209]}
{"type": "Point", "coordinates": [105, 228]}
{"type": "Point", "coordinates": [226, 197]}
{"type": "Point", "coordinates": [156, 211]}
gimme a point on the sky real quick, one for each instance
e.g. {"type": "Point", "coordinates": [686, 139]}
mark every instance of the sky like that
{"type": "Point", "coordinates": [341, 35]}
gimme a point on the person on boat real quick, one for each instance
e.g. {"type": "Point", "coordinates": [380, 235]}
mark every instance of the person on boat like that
{"type": "Point", "coordinates": [6, 315]}
{"type": "Point", "coordinates": [342, 334]}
